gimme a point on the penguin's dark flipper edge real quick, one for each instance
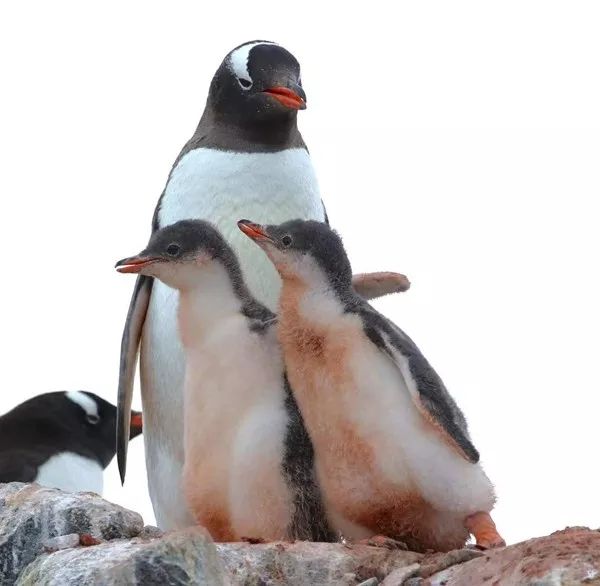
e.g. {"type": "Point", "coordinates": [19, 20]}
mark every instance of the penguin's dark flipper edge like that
{"type": "Point", "coordinates": [130, 343]}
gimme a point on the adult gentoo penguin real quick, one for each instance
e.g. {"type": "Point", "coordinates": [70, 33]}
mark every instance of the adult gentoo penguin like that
{"type": "Point", "coordinates": [393, 452]}
{"type": "Point", "coordinates": [246, 158]}
{"type": "Point", "coordinates": [249, 464]}
{"type": "Point", "coordinates": [62, 440]}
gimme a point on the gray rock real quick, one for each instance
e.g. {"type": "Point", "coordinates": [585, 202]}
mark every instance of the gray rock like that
{"type": "Point", "coordinates": [150, 531]}
{"type": "Point", "coordinates": [305, 563]}
{"type": "Point", "coordinates": [370, 582]}
{"type": "Point", "coordinates": [564, 558]}
{"type": "Point", "coordinates": [177, 559]}
{"type": "Point", "coordinates": [31, 515]}
{"type": "Point", "coordinates": [438, 562]}
{"type": "Point", "coordinates": [398, 577]}
{"type": "Point", "coordinates": [61, 542]}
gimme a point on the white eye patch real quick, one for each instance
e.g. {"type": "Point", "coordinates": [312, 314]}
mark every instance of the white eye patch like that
{"type": "Point", "coordinates": [238, 63]}
{"type": "Point", "coordinates": [84, 401]}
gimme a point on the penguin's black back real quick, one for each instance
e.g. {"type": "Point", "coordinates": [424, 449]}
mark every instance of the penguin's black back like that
{"type": "Point", "coordinates": [50, 424]}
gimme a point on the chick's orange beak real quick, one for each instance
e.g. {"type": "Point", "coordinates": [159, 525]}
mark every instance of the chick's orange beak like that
{"type": "Point", "coordinates": [254, 231]}
{"type": "Point", "coordinates": [134, 264]}
{"type": "Point", "coordinates": [287, 97]}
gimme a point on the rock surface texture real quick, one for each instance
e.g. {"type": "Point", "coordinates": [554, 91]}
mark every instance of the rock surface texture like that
{"type": "Point", "coordinates": [51, 538]}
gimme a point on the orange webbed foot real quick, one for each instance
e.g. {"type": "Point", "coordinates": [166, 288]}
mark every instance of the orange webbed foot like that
{"type": "Point", "coordinates": [483, 528]}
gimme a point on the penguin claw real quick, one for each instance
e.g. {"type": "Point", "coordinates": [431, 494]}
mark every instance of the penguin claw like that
{"type": "Point", "coordinates": [494, 542]}
{"type": "Point", "coordinates": [253, 540]}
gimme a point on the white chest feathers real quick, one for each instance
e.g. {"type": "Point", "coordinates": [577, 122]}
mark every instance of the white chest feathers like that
{"type": "Point", "coordinates": [72, 473]}
{"type": "Point", "coordinates": [219, 186]}
{"type": "Point", "coordinates": [224, 187]}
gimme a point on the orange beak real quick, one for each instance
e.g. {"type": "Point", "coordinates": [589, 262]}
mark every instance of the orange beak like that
{"type": "Point", "coordinates": [136, 424]}
{"type": "Point", "coordinates": [254, 231]}
{"type": "Point", "coordinates": [134, 264]}
{"type": "Point", "coordinates": [287, 97]}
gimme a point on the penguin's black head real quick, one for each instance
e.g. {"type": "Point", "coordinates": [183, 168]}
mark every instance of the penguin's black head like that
{"type": "Point", "coordinates": [306, 251]}
{"type": "Point", "coordinates": [258, 81]}
{"type": "Point", "coordinates": [180, 254]}
{"type": "Point", "coordinates": [93, 422]}
{"type": "Point", "coordinates": [76, 421]}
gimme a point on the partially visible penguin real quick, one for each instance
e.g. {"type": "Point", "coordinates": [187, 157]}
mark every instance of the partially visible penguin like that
{"type": "Point", "coordinates": [62, 440]}
{"type": "Point", "coordinates": [249, 464]}
{"type": "Point", "coordinates": [392, 450]}
{"type": "Point", "coordinates": [246, 158]}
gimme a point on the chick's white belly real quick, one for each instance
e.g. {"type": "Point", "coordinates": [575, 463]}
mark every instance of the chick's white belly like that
{"type": "Point", "coordinates": [409, 451]}
{"type": "Point", "coordinates": [234, 427]}
{"type": "Point", "coordinates": [222, 188]}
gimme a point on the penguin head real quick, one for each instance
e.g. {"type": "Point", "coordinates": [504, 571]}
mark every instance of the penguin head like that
{"type": "Point", "coordinates": [304, 251]}
{"type": "Point", "coordinates": [78, 421]}
{"type": "Point", "coordinates": [181, 254]}
{"type": "Point", "coordinates": [257, 82]}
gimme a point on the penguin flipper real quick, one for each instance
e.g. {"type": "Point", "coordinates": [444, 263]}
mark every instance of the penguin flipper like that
{"type": "Point", "coordinates": [426, 388]}
{"type": "Point", "coordinates": [130, 342]}
{"type": "Point", "coordinates": [373, 285]}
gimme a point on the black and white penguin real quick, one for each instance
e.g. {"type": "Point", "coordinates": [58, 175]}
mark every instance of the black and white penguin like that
{"type": "Point", "coordinates": [246, 158]}
{"type": "Point", "coordinates": [249, 464]}
{"type": "Point", "coordinates": [62, 440]}
{"type": "Point", "coordinates": [392, 449]}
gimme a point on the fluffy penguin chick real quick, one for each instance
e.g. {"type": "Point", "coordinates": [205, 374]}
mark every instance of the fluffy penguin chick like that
{"type": "Point", "coordinates": [393, 454]}
{"type": "Point", "coordinates": [248, 469]}
{"type": "Point", "coordinates": [62, 440]}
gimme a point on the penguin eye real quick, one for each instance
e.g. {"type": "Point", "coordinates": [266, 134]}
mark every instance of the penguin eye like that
{"type": "Point", "coordinates": [286, 240]}
{"type": "Point", "coordinates": [245, 84]}
{"type": "Point", "coordinates": [93, 419]}
{"type": "Point", "coordinates": [173, 249]}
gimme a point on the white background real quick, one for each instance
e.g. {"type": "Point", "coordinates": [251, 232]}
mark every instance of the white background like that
{"type": "Point", "coordinates": [456, 142]}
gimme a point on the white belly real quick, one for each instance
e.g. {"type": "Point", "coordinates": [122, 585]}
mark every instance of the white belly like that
{"type": "Point", "coordinates": [239, 414]}
{"type": "Point", "coordinates": [71, 472]}
{"type": "Point", "coordinates": [220, 187]}
{"type": "Point", "coordinates": [408, 451]}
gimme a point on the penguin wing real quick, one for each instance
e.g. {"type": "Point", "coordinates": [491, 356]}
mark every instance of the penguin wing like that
{"type": "Point", "coordinates": [16, 466]}
{"type": "Point", "coordinates": [426, 388]}
{"type": "Point", "coordinates": [130, 343]}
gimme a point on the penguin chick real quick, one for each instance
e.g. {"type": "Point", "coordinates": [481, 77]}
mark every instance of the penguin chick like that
{"type": "Point", "coordinates": [62, 440]}
{"type": "Point", "coordinates": [248, 468]}
{"type": "Point", "coordinates": [393, 454]}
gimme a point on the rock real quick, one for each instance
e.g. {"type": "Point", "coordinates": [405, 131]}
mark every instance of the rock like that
{"type": "Point", "coordinates": [52, 538]}
{"type": "Point", "coordinates": [150, 531]}
{"type": "Point", "coordinates": [30, 515]}
{"type": "Point", "coordinates": [305, 563]}
{"type": "Point", "coordinates": [398, 577]}
{"type": "Point", "coordinates": [62, 542]}
{"type": "Point", "coordinates": [177, 559]}
{"type": "Point", "coordinates": [565, 558]}
{"type": "Point", "coordinates": [440, 561]}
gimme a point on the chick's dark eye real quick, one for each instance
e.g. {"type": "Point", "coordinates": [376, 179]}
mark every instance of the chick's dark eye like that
{"type": "Point", "coordinates": [173, 249]}
{"type": "Point", "coordinates": [286, 240]}
{"type": "Point", "coordinates": [93, 419]}
{"type": "Point", "coordinates": [245, 83]}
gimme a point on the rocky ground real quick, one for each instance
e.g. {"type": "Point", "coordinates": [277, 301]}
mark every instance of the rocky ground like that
{"type": "Point", "coordinates": [51, 538]}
